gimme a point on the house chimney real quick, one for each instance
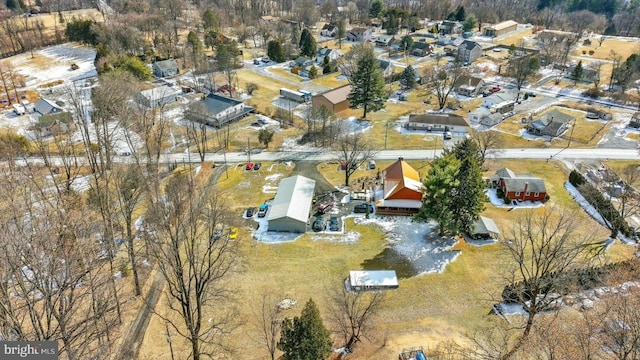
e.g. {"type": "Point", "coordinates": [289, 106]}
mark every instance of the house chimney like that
{"type": "Point", "coordinates": [526, 186]}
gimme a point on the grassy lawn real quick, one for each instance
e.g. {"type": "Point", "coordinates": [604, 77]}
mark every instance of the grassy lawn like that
{"type": "Point", "coordinates": [330, 80]}
{"type": "Point", "coordinates": [336, 177]}
{"type": "Point", "coordinates": [621, 47]}
{"type": "Point", "coordinates": [633, 136]}
{"type": "Point", "coordinates": [268, 89]}
{"type": "Point", "coordinates": [515, 38]}
{"type": "Point", "coordinates": [285, 74]}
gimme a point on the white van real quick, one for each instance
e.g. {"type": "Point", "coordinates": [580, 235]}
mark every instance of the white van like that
{"type": "Point", "coordinates": [372, 164]}
{"type": "Point", "coordinates": [447, 135]}
{"type": "Point", "coordinates": [19, 109]}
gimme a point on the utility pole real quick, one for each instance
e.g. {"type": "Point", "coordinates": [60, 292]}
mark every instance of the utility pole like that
{"type": "Point", "coordinates": [386, 133]}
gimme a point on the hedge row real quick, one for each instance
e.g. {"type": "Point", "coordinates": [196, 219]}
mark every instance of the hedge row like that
{"type": "Point", "coordinates": [600, 203]}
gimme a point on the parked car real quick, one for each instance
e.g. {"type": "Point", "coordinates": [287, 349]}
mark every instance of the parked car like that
{"type": "Point", "coordinates": [531, 94]}
{"type": "Point", "coordinates": [257, 166]}
{"type": "Point", "coordinates": [233, 233]}
{"type": "Point", "coordinates": [494, 89]}
{"type": "Point", "coordinates": [249, 166]}
{"type": "Point", "coordinates": [372, 164]}
{"type": "Point", "coordinates": [256, 124]}
{"type": "Point", "coordinates": [256, 62]}
{"type": "Point", "coordinates": [592, 115]}
{"type": "Point", "coordinates": [261, 122]}
{"type": "Point", "coordinates": [333, 223]}
{"type": "Point", "coordinates": [362, 208]}
{"type": "Point", "coordinates": [262, 211]}
{"type": "Point", "coordinates": [265, 60]}
{"type": "Point", "coordinates": [249, 213]}
{"type": "Point", "coordinates": [217, 234]}
{"type": "Point", "coordinates": [447, 135]}
{"type": "Point", "coordinates": [318, 225]}
{"type": "Point", "coordinates": [325, 206]}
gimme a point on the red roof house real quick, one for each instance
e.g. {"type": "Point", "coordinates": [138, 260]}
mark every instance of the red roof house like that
{"type": "Point", "coordinates": [401, 192]}
{"type": "Point", "coordinates": [523, 187]}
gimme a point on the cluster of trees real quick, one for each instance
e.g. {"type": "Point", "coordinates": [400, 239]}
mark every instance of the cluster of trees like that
{"type": "Point", "coordinates": [614, 220]}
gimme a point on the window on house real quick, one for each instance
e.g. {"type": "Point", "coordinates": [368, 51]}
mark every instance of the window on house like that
{"type": "Point", "coordinates": [536, 194]}
{"type": "Point", "coordinates": [527, 193]}
{"type": "Point", "coordinates": [518, 193]}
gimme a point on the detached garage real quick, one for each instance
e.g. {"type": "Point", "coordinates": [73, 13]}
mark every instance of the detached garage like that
{"type": "Point", "coordinates": [292, 204]}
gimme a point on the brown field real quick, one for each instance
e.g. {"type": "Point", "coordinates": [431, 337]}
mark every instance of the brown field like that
{"type": "Point", "coordinates": [621, 47]}
{"type": "Point", "coordinates": [442, 306]}
{"type": "Point", "coordinates": [330, 80]}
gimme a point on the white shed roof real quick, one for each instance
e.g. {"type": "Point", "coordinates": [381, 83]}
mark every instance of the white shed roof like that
{"type": "Point", "coordinates": [373, 278]}
{"type": "Point", "coordinates": [485, 225]}
{"type": "Point", "coordinates": [293, 199]}
{"type": "Point", "coordinates": [159, 93]}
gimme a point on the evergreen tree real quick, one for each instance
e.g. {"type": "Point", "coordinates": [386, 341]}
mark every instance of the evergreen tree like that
{"type": "Point", "coordinates": [460, 13]}
{"type": "Point", "coordinates": [194, 42]}
{"type": "Point", "coordinates": [406, 43]}
{"type": "Point", "coordinates": [408, 78]}
{"type": "Point", "coordinates": [469, 196]}
{"type": "Point", "coordinates": [305, 337]}
{"type": "Point", "coordinates": [577, 72]}
{"type": "Point", "coordinates": [367, 84]}
{"type": "Point", "coordinates": [308, 45]}
{"type": "Point", "coordinates": [440, 185]}
{"type": "Point", "coordinates": [342, 31]}
{"type": "Point", "coordinates": [469, 23]}
{"type": "Point", "coordinates": [295, 35]}
{"type": "Point", "coordinates": [313, 72]}
{"type": "Point", "coordinates": [275, 51]}
{"type": "Point", "coordinates": [209, 20]}
{"type": "Point", "coordinates": [377, 8]}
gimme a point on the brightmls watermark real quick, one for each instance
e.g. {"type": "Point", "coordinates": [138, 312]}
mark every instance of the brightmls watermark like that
{"type": "Point", "coordinates": [30, 350]}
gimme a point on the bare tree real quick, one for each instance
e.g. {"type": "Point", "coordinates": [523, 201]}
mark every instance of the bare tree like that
{"type": "Point", "coordinates": [629, 200]}
{"type": "Point", "coordinates": [353, 313]}
{"type": "Point", "coordinates": [197, 130]}
{"type": "Point", "coordinates": [353, 151]}
{"type": "Point", "coordinates": [540, 246]}
{"type": "Point", "coordinates": [584, 20]}
{"type": "Point", "coordinates": [270, 324]}
{"type": "Point", "coordinates": [521, 68]}
{"type": "Point", "coordinates": [194, 259]}
{"type": "Point", "coordinates": [488, 142]}
{"type": "Point", "coordinates": [441, 80]}
{"type": "Point", "coordinates": [619, 335]}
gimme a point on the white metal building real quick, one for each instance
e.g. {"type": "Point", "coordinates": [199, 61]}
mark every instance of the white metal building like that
{"type": "Point", "coordinates": [373, 280]}
{"type": "Point", "coordinates": [291, 207]}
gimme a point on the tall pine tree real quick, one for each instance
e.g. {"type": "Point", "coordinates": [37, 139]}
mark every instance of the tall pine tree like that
{"type": "Point", "coordinates": [469, 196]}
{"type": "Point", "coordinates": [308, 46]}
{"type": "Point", "coordinates": [367, 84]}
{"type": "Point", "coordinates": [454, 190]}
{"type": "Point", "coordinates": [305, 337]}
{"type": "Point", "coordinates": [440, 185]}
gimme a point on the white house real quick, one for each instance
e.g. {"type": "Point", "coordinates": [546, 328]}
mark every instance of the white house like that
{"type": "Point", "coordinates": [329, 30]}
{"type": "Point", "coordinates": [217, 110]}
{"type": "Point", "coordinates": [158, 96]}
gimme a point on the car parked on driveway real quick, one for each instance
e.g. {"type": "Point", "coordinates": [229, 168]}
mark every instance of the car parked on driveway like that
{"type": "Point", "coordinates": [249, 166]}
{"type": "Point", "coordinates": [333, 223]}
{"type": "Point", "coordinates": [249, 212]}
{"type": "Point", "coordinates": [233, 233]}
{"type": "Point", "coordinates": [262, 211]}
{"type": "Point", "coordinates": [318, 225]}
{"type": "Point", "coordinates": [257, 166]}
{"type": "Point", "coordinates": [494, 89]}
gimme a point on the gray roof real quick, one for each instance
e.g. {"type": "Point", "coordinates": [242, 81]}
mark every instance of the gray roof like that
{"type": "Point", "coordinates": [469, 45]}
{"type": "Point", "coordinates": [216, 104]}
{"type": "Point", "coordinates": [556, 115]}
{"type": "Point", "coordinates": [329, 27]}
{"type": "Point", "coordinates": [505, 173]}
{"type": "Point", "coordinates": [159, 92]}
{"type": "Point", "coordinates": [421, 45]}
{"type": "Point", "coordinates": [384, 64]}
{"type": "Point", "coordinates": [533, 184]}
{"type": "Point", "coordinates": [44, 107]}
{"type": "Point", "coordinates": [293, 199]}
{"type": "Point", "coordinates": [166, 64]}
{"type": "Point", "coordinates": [436, 118]}
{"type": "Point", "coordinates": [485, 225]}
{"type": "Point", "coordinates": [373, 278]}
{"type": "Point", "coordinates": [467, 81]}
{"type": "Point", "coordinates": [301, 60]}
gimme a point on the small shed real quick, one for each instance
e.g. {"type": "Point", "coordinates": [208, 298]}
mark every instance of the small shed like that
{"type": "Point", "coordinates": [291, 206]}
{"type": "Point", "coordinates": [363, 280]}
{"type": "Point", "coordinates": [165, 68]}
{"type": "Point", "coordinates": [485, 228]}
{"type": "Point", "coordinates": [501, 28]}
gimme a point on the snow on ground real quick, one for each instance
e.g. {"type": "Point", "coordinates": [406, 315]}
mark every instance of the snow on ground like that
{"type": "Point", "coordinates": [176, 115]}
{"type": "Point", "coordinates": [480, 242]}
{"type": "Point", "coordinates": [57, 65]}
{"type": "Point", "coordinates": [584, 203]}
{"type": "Point", "coordinates": [261, 234]}
{"type": "Point", "coordinates": [81, 184]}
{"type": "Point", "coordinates": [355, 126]}
{"type": "Point", "coordinates": [119, 141]}
{"type": "Point", "coordinates": [498, 202]}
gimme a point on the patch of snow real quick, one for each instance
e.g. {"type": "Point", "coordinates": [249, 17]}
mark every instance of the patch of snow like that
{"type": "Point", "coordinates": [510, 309]}
{"type": "Point", "coordinates": [268, 189]}
{"type": "Point", "coordinates": [271, 237]}
{"type": "Point", "coordinates": [585, 204]}
{"type": "Point", "coordinates": [81, 184]}
{"type": "Point", "coordinates": [498, 202]}
{"type": "Point", "coordinates": [346, 199]}
{"type": "Point", "coordinates": [273, 177]}
{"type": "Point", "coordinates": [198, 169]}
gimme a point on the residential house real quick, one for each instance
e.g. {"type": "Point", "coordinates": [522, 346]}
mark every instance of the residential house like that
{"type": "Point", "coordinates": [46, 107]}
{"type": "Point", "coordinates": [521, 187]}
{"type": "Point", "coordinates": [359, 34]}
{"type": "Point", "coordinates": [421, 48]}
{"type": "Point", "coordinates": [552, 123]}
{"type": "Point", "coordinates": [469, 51]}
{"type": "Point", "coordinates": [334, 100]}
{"type": "Point", "coordinates": [499, 97]}
{"type": "Point", "coordinates": [450, 27]}
{"type": "Point", "coordinates": [437, 121]}
{"type": "Point", "coordinates": [491, 119]}
{"type": "Point", "coordinates": [384, 41]}
{"type": "Point", "coordinates": [588, 75]}
{"type": "Point", "coordinates": [332, 54]}
{"type": "Point", "coordinates": [301, 66]}
{"type": "Point", "coordinates": [501, 28]}
{"type": "Point", "coordinates": [467, 85]}
{"type": "Point", "coordinates": [401, 191]}
{"type": "Point", "coordinates": [157, 96]}
{"type": "Point", "coordinates": [165, 68]}
{"type": "Point", "coordinates": [268, 19]}
{"type": "Point", "coordinates": [329, 30]}
{"type": "Point", "coordinates": [216, 110]}
{"type": "Point", "coordinates": [635, 121]}
{"type": "Point", "coordinates": [387, 67]}
{"type": "Point", "coordinates": [53, 124]}
{"type": "Point", "coordinates": [303, 61]}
